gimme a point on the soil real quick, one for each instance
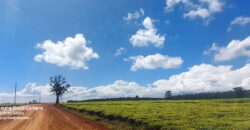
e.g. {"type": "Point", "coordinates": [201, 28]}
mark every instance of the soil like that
{"type": "Point", "coordinates": [51, 118]}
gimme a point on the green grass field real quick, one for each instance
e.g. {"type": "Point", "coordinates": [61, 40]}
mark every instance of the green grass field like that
{"type": "Point", "coordinates": [228, 114]}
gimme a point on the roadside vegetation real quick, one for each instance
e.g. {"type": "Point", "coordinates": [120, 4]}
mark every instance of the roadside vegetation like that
{"type": "Point", "coordinates": [6, 105]}
{"type": "Point", "coordinates": [172, 114]}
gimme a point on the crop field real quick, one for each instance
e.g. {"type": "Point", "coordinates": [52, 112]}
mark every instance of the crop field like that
{"type": "Point", "coordinates": [173, 114]}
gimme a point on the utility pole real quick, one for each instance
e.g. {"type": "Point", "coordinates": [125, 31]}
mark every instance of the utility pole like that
{"type": "Point", "coordinates": [40, 96]}
{"type": "Point", "coordinates": [15, 94]}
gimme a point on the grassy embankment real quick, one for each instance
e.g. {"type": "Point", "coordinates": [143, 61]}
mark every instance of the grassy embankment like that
{"type": "Point", "coordinates": [173, 114]}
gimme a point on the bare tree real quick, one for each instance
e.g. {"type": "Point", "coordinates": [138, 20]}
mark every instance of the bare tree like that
{"type": "Point", "coordinates": [58, 86]}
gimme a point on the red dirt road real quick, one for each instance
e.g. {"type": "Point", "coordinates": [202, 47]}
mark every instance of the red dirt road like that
{"type": "Point", "coordinates": [51, 118]}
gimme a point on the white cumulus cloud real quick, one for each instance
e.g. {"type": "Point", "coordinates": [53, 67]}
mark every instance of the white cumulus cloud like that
{"type": "Point", "coordinates": [120, 51]}
{"type": "Point", "coordinates": [198, 78]}
{"type": "Point", "coordinates": [155, 61]}
{"type": "Point", "coordinates": [207, 78]}
{"type": "Point", "coordinates": [204, 9]}
{"type": "Point", "coordinates": [148, 35]}
{"type": "Point", "coordinates": [72, 52]}
{"type": "Point", "coordinates": [234, 49]}
{"type": "Point", "coordinates": [241, 20]}
{"type": "Point", "coordinates": [32, 91]}
{"type": "Point", "coordinates": [170, 4]}
{"type": "Point", "coordinates": [135, 15]}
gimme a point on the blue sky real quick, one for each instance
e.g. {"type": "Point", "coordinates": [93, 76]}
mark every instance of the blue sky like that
{"type": "Point", "coordinates": [26, 23]}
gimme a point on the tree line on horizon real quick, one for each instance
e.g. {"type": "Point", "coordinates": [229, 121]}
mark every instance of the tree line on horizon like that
{"type": "Point", "coordinates": [59, 86]}
{"type": "Point", "coordinates": [237, 92]}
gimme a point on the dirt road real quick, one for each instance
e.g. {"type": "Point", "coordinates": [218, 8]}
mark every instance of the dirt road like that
{"type": "Point", "coordinates": [51, 118]}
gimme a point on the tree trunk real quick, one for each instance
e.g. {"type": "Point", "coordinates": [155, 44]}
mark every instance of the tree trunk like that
{"type": "Point", "coordinates": [57, 99]}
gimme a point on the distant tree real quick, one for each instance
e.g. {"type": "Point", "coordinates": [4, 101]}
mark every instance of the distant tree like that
{"type": "Point", "coordinates": [58, 86]}
{"type": "Point", "coordinates": [137, 97]}
{"type": "Point", "coordinates": [168, 94]}
{"type": "Point", "coordinates": [239, 92]}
